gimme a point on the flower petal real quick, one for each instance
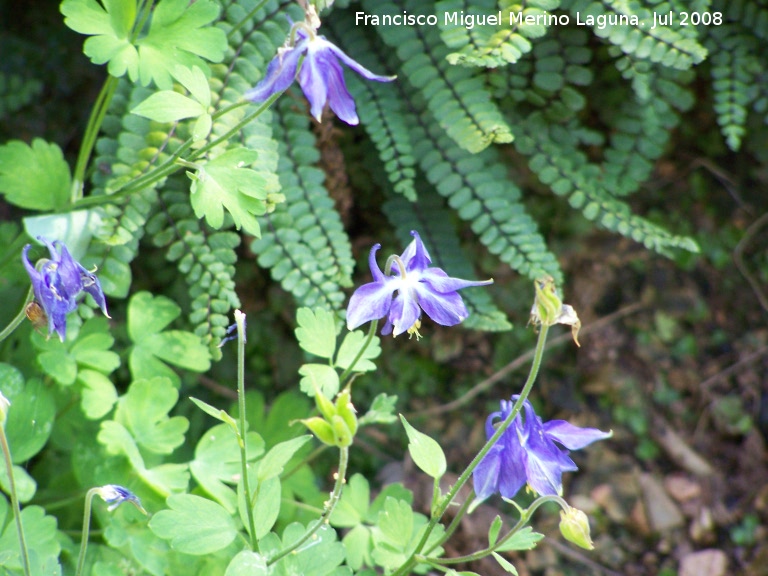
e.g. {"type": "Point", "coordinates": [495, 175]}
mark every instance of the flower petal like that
{"type": "Point", "coordinates": [573, 437]}
{"type": "Point", "coordinates": [313, 78]}
{"type": "Point", "coordinates": [404, 312]}
{"type": "Point", "coordinates": [415, 256]}
{"type": "Point", "coordinates": [339, 98]}
{"type": "Point", "coordinates": [369, 302]}
{"type": "Point", "coordinates": [442, 283]}
{"type": "Point", "coordinates": [280, 74]}
{"type": "Point", "coordinates": [486, 474]}
{"type": "Point", "coordinates": [357, 67]}
{"type": "Point", "coordinates": [445, 309]}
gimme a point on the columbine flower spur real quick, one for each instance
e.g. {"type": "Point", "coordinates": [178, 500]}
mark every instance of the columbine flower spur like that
{"type": "Point", "coordinates": [419, 287]}
{"type": "Point", "coordinates": [321, 76]}
{"type": "Point", "coordinates": [526, 453]}
{"type": "Point", "coordinates": [57, 282]}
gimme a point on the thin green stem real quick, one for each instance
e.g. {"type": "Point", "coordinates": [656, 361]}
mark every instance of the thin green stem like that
{"type": "Point", "coordinates": [327, 510]}
{"type": "Point", "coordinates": [18, 319]}
{"type": "Point", "coordinates": [98, 112]}
{"type": "Point", "coordinates": [240, 321]}
{"type": "Point", "coordinates": [521, 523]}
{"type": "Point", "coordinates": [86, 529]}
{"type": "Point", "coordinates": [14, 499]}
{"type": "Point", "coordinates": [449, 497]}
{"type": "Point", "coordinates": [368, 339]}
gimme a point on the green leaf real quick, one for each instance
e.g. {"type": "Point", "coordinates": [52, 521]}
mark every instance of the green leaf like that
{"type": "Point", "coordinates": [144, 411]}
{"type": "Point", "coordinates": [147, 316]}
{"type": "Point", "coordinates": [35, 177]}
{"type": "Point", "coordinates": [196, 82]}
{"type": "Point", "coordinates": [351, 346]}
{"type": "Point", "coordinates": [382, 410]}
{"type": "Point", "coordinates": [110, 29]}
{"type": "Point", "coordinates": [525, 539]}
{"type": "Point", "coordinates": [316, 332]}
{"type": "Point", "coordinates": [98, 394]}
{"type": "Point", "coordinates": [247, 563]}
{"type": "Point", "coordinates": [493, 531]}
{"type": "Point", "coordinates": [25, 484]}
{"type": "Point", "coordinates": [319, 377]}
{"type": "Point", "coordinates": [217, 413]}
{"type": "Point", "coordinates": [217, 462]}
{"type": "Point", "coordinates": [504, 563]}
{"type": "Point", "coordinates": [396, 523]}
{"type": "Point", "coordinates": [273, 462]}
{"type": "Point", "coordinates": [425, 451]}
{"type": "Point", "coordinates": [74, 229]}
{"type": "Point", "coordinates": [194, 525]}
{"type": "Point", "coordinates": [179, 35]}
{"type": "Point", "coordinates": [358, 544]}
{"type": "Point", "coordinates": [266, 506]}
{"type": "Point", "coordinates": [169, 106]}
{"type": "Point", "coordinates": [353, 506]}
{"type": "Point", "coordinates": [40, 535]}
{"type": "Point", "coordinates": [30, 416]}
{"type": "Point", "coordinates": [228, 182]}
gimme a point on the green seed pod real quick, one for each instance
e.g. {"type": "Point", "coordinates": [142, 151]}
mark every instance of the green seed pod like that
{"type": "Point", "coordinates": [346, 410]}
{"type": "Point", "coordinates": [343, 435]}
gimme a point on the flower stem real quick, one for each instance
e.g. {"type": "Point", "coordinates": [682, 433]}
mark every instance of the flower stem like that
{"type": "Point", "coordinates": [327, 510]}
{"type": "Point", "coordinates": [368, 340]}
{"type": "Point", "coordinates": [18, 319]}
{"type": "Point", "coordinates": [240, 321]}
{"type": "Point", "coordinates": [449, 497]}
{"type": "Point", "coordinates": [14, 501]}
{"type": "Point", "coordinates": [86, 529]}
{"type": "Point", "coordinates": [92, 129]}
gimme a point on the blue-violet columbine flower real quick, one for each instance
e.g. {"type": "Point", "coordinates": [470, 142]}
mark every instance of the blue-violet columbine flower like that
{"type": "Point", "coordinates": [115, 495]}
{"type": "Point", "coordinates": [321, 76]}
{"type": "Point", "coordinates": [527, 453]}
{"type": "Point", "coordinates": [419, 286]}
{"type": "Point", "coordinates": [57, 282]}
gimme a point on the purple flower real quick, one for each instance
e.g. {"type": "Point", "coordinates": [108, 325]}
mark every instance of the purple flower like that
{"type": "Point", "coordinates": [527, 453]}
{"type": "Point", "coordinates": [419, 287]}
{"type": "Point", "coordinates": [57, 282]}
{"type": "Point", "coordinates": [115, 495]}
{"type": "Point", "coordinates": [321, 76]}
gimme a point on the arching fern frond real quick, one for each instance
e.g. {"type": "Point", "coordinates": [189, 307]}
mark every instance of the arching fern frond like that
{"type": "Point", "coordinates": [631, 26]}
{"type": "Point", "coordinates": [433, 222]}
{"type": "Point", "coordinates": [455, 95]}
{"type": "Point", "coordinates": [736, 72]}
{"type": "Point", "coordinates": [303, 242]}
{"type": "Point", "coordinates": [555, 157]}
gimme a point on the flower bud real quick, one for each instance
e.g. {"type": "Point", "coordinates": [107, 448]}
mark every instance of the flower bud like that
{"type": "Point", "coordinates": [574, 526]}
{"type": "Point", "coordinates": [346, 410]}
{"type": "Point", "coordinates": [321, 429]}
{"type": "Point", "coordinates": [547, 304]}
{"type": "Point", "coordinates": [342, 434]}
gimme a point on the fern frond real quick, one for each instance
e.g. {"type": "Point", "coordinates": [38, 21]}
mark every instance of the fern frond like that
{"type": "Point", "coordinates": [455, 95]}
{"type": "Point", "coordinates": [433, 222]}
{"type": "Point", "coordinates": [556, 159]}
{"type": "Point", "coordinates": [736, 71]}
{"type": "Point", "coordinates": [380, 111]}
{"type": "Point", "coordinates": [630, 25]}
{"type": "Point", "coordinates": [303, 242]}
{"type": "Point", "coordinates": [205, 258]}
{"type": "Point", "coordinates": [16, 91]}
{"type": "Point", "coordinates": [486, 44]}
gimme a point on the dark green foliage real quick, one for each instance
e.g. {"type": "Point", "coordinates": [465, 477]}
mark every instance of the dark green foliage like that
{"type": "Point", "coordinates": [17, 91]}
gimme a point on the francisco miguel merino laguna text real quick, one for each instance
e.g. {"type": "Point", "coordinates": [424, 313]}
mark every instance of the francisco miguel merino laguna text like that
{"type": "Point", "coordinates": [469, 21]}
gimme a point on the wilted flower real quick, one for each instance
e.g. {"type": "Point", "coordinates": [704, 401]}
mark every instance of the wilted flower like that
{"type": "Point", "coordinates": [419, 286]}
{"type": "Point", "coordinates": [57, 282]}
{"type": "Point", "coordinates": [526, 453]}
{"type": "Point", "coordinates": [321, 76]}
{"type": "Point", "coordinates": [115, 495]}
{"type": "Point", "coordinates": [549, 310]}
